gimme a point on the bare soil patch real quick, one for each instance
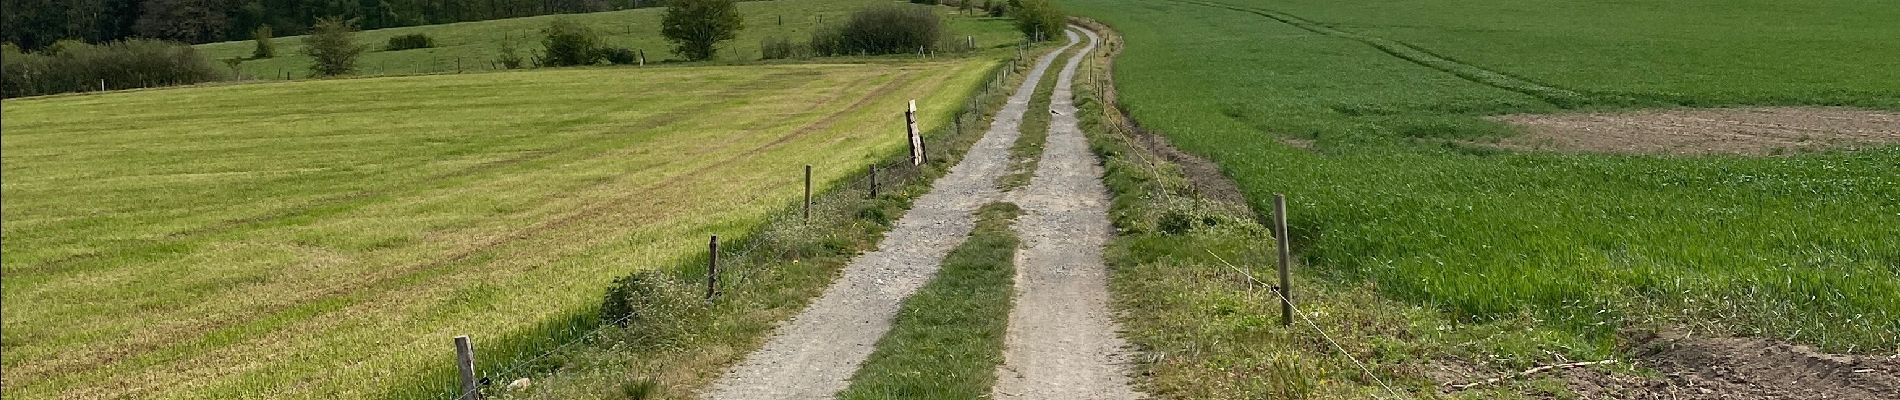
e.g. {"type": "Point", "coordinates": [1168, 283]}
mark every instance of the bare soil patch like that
{"type": "Point", "coordinates": [1711, 368]}
{"type": "Point", "coordinates": [1757, 131]}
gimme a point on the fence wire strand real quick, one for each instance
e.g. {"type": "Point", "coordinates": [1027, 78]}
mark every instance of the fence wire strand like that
{"type": "Point", "coordinates": [1309, 322]}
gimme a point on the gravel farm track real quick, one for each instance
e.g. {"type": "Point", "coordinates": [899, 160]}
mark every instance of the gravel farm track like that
{"type": "Point", "coordinates": [815, 354]}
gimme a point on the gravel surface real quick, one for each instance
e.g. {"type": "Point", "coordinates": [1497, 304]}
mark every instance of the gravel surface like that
{"type": "Point", "coordinates": [815, 354]}
{"type": "Point", "coordinates": [1062, 341]}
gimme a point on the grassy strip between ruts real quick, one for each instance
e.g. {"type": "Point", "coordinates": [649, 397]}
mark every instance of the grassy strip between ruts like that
{"type": "Point", "coordinates": [948, 338]}
{"type": "Point", "coordinates": [1027, 152]}
{"type": "Point", "coordinates": [1180, 280]}
{"type": "Point", "coordinates": [673, 343]}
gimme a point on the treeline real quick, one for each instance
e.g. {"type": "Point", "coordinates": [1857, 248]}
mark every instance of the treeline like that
{"type": "Point", "coordinates": [74, 66]}
{"type": "Point", "coordinates": [36, 24]}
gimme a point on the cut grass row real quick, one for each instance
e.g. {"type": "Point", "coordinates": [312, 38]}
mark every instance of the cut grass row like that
{"type": "Point", "coordinates": [1796, 247]}
{"type": "Point", "coordinates": [475, 46]}
{"type": "Point", "coordinates": [947, 340]}
{"type": "Point", "coordinates": [226, 248]}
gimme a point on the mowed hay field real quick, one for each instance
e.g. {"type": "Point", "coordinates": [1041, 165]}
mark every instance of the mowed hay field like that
{"type": "Point", "coordinates": [476, 45]}
{"type": "Point", "coordinates": [1373, 118]}
{"type": "Point", "coordinates": [326, 239]}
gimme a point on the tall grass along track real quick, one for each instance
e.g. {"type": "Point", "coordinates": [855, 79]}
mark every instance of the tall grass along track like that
{"type": "Point", "coordinates": [815, 353]}
{"type": "Point", "coordinates": [1062, 341]}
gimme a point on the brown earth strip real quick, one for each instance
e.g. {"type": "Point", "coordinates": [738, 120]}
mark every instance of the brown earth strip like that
{"type": "Point", "coordinates": [1204, 177]}
{"type": "Point", "coordinates": [1740, 368]}
{"type": "Point", "coordinates": [1753, 131]}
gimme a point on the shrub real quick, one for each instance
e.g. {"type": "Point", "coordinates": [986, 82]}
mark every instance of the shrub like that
{"type": "Point", "coordinates": [264, 49]}
{"type": "Point", "coordinates": [409, 41]}
{"type": "Point", "coordinates": [996, 9]}
{"type": "Point", "coordinates": [779, 48]}
{"type": "Point", "coordinates": [1039, 19]}
{"type": "Point", "coordinates": [332, 46]}
{"type": "Point", "coordinates": [697, 26]}
{"type": "Point", "coordinates": [649, 300]}
{"type": "Point", "coordinates": [880, 30]}
{"type": "Point", "coordinates": [73, 66]}
{"type": "Point", "coordinates": [569, 43]}
{"type": "Point", "coordinates": [619, 55]}
{"type": "Point", "coordinates": [509, 57]}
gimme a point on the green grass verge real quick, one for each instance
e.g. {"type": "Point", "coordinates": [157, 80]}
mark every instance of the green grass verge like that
{"type": "Point", "coordinates": [1389, 193]}
{"type": "Point", "coordinates": [947, 340]}
{"type": "Point", "coordinates": [475, 46]}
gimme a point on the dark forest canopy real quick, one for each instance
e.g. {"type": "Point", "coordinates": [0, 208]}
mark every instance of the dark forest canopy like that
{"type": "Point", "coordinates": [33, 24]}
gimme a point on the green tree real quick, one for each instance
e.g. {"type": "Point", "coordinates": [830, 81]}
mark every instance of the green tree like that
{"type": "Point", "coordinates": [569, 43]}
{"type": "Point", "coordinates": [332, 45]}
{"type": "Point", "coordinates": [265, 49]}
{"type": "Point", "coordinates": [1039, 19]}
{"type": "Point", "coordinates": [697, 26]}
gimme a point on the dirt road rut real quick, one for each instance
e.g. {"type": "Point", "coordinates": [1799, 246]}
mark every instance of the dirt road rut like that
{"type": "Point", "coordinates": [1062, 343]}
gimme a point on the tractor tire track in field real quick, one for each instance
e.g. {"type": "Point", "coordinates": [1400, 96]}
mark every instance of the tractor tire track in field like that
{"type": "Point", "coordinates": [815, 354]}
{"type": "Point", "coordinates": [1559, 97]}
{"type": "Point", "coordinates": [1062, 342]}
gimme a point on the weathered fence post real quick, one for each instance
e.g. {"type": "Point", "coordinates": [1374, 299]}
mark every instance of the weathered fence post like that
{"type": "Point", "coordinates": [807, 192]}
{"type": "Point", "coordinates": [873, 181]}
{"type": "Point", "coordinates": [916, 141]}
{"type": "Point", "coordinates": [643, 57]}
{"type": "Point", "coordinates": [465, 361]}
{"type": "Point", "coordinates": [712, 269]}
{"type": "Point", "coordinates": [1286, 253]}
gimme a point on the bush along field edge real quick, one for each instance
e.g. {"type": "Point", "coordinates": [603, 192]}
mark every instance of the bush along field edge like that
{"type": "Point", "coordinates": [1192, 270]}
{"type": "Point", "coordinates": [658, 335]}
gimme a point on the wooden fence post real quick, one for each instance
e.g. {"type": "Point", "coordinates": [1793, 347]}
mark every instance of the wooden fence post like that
{"type": "Point", "coordinates": [712, 269]}
{"type": "Point", "coordinates": [1286, 253]}
{"type": "Point", "coordinates": [807, 192]}
{"type": "Point", "coordinates": [465, 361]}
{"type": "Point", "coordinates": [916, 141]}
{"type": "Point", "coordinates": [873, 181]}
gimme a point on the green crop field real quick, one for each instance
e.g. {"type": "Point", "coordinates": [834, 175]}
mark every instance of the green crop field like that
{"type": "Point", "coordinates": [327, 238]}
{"type": "Point", "coordinates": [474, 46]}
{"type": "Point", "coordinates": [1369, 115]}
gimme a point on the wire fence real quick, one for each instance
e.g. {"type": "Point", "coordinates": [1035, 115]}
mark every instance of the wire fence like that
{"type": "Point", "coordinates": [755, 252]}
{"type": "Point", "coordinates": [1120, 125]}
